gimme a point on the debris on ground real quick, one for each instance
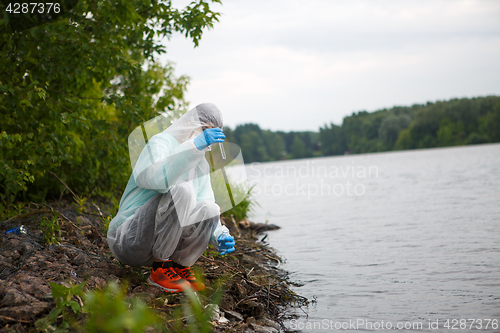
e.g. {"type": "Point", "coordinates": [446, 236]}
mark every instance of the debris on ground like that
{"type": "Point", "coordinates": [72, 249]}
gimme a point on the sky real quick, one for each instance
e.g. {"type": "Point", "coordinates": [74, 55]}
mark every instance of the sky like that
{"type": "Point", "coordinates": [299, 65]}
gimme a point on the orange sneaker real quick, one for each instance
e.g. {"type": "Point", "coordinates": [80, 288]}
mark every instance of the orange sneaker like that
{"type": "Point", "coordinates": [166, 278]}
{"type": "Point", "coordinates": [187, 274]}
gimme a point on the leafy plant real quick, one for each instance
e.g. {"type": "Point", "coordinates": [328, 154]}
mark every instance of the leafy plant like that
{"type": "Point", "coordinates": [51, 228]}
{"type": "Point", "coordinates": [242, 210]}
{"type": "Point", "coordinates": [71, 90]}
{"type": "Point", "coordinates": [80, 202]}
{"type": "Point", "coordinates": [105, 223]}
{"type": "Point", "coordinates": [198, 317]}
{"type": "Point", "coordinates": [64, 298]}
{"type": "Point", "coordinates": [110, 311]}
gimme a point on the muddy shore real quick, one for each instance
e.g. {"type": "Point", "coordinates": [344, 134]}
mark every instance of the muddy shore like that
{"type": "Point", "coordinates": [256, 295]}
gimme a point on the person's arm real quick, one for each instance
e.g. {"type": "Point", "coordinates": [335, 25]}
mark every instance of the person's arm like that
{"type": "Point", "coordinates": [218, 230]}
{"type": "Point", "coordinates": [159, 166]}
{"type": "Point", "coordinates": [205, 192]}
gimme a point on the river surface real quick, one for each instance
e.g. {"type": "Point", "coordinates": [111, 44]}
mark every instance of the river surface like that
{"type": "Point", "coordinates": [389, 240]}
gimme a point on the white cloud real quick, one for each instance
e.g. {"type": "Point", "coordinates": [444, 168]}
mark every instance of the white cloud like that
{"type": "Point", "coordinates": [296, 65]}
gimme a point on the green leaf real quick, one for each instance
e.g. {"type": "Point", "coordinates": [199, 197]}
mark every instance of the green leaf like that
{"type": "Point", "coordinates": [24, 102]}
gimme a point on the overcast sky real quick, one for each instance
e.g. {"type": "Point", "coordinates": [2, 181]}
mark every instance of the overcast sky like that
{"type": "Point", "coordinates": [298, 65]}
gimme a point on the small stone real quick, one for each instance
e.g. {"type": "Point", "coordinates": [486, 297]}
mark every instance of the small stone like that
{"type": "Point", "coordinates": [96, 282]}
{"type": "Point", "coordinates": [83, 221]}
{"type": "Point", "coordinates": [61, 257]}
{"type": "Point", "coordinates": [13, 242]}
{"type": "Point", "coordinates": [25, 312]}
{"type": "Point", "coordinates": [27, 247]}
{"type": "Point", "coordinates": [14, 297]}
{"type": "Point", "coordinates": [241, 289]}
{"type": "Point", "coordinates": [4, 265]}
{"type": "Point", "coordinates": [233, 315]}
{"type": "Point", "coordinates": [214, 309]}
{"type": "Point", "coordinates": [80, 259]}
{"type": "Point", "coordinates": [269, 322]}
{"type": "Point", "coordinates": [263, 329]}
{"type": "Point", "coordinates": [145, 297]}
{"type": "Point", "coordinates": [11, 254]}
{"type": "Point", "coordinates": [33, 285]}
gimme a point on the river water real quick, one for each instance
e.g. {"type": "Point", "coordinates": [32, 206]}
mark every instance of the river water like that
{"type": "Point", "coordinates": [389, 240]}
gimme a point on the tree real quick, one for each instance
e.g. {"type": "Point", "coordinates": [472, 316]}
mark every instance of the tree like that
{"type": "Point", "coordinates": [298, 148]}
{"type": "Point", "coordinates": [274, 144]}
{"type": "Point", "coordinates": [252, 147]}
{"type": "Point", "coordinates": [332, 140]}
{"type": "Point", "coordinates": [72, 90]}
{"type": "Point", "coordinates": [391, 126]}
{"type": "Point", "coordinates": [489, 124]}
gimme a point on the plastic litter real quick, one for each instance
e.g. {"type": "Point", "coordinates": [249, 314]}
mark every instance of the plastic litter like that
{"type": "Point", "coordinates": [17, 230]}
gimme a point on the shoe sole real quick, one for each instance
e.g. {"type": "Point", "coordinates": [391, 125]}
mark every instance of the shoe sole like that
{"type": "Point", "coordinates": [152, 283]}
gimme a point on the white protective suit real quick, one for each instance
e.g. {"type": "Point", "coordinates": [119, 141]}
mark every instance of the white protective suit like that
{"type": "Point", "coordinates": [168, 208]}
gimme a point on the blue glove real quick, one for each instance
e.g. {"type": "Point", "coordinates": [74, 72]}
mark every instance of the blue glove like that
{"type": "Point", "coordinates": [208, 137]}
{"type": "Point", "coordinates": [226, 243]}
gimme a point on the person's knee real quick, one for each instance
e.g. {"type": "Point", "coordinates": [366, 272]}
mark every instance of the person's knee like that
{"type": "Point", "coordinates": [183, 197]}
{"type": "Point", "coordinates": [182, 192]}
{"type": "Point", "coordinates": [212, 209]}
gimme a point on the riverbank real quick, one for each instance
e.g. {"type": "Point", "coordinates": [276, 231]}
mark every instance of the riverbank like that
{"type": "Point", "coordinates": [72, 250]}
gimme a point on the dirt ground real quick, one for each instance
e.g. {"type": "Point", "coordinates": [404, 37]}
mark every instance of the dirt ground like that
{"type": "Point", "coordinates": [256, 294]}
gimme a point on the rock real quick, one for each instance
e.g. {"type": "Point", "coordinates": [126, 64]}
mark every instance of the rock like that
{"type": "Point", "coordinates": [269, 322]}
{"type": "Point", "coordinates": [263, 329]}
{"type": "Point", "coordinates": [11, 254]}
{"type": "Point", "coordinates": [4, 265]}
{"type": "Point", "coordinates": [258, 227]}
{"type": "Point", "coordinates": [27, 247]}
{"type": "Point", "coordinates": [217, 316]}
{"type": "Point", "coordinates": [242, 291]}
{"type": "Point", "coordinates": [256, 308]}
{"type": "Point", "coordinates": [80, 259]}
{"type": "Point", "coordinates": [233, 315]}
{"type": "Point", "coordinates": [145, 297]}
{"type": "Point", "coordinates": [102, 265]}
{"type": "Point", "coordinates": [93, 234]}
{"type": "Point", "coordinates": [96, 282]}
{"type": "Point", "coordinates": [33, 285]}
{"type": "Point", "coordinates": [214, 308]}
{"type": "Point", "coordinates": [12, 242]}
{"type": "Point", "coordinates": [116, 270]}
{"type": "Point", "coordinates": [14, 297]}
{"type": "Point", "coordinates": [83, 221]}
{"type": "Point", "coordinates": [25, 312]}
{"type": "Point", "coordinates": [61, 257]}
{"type": "Point", "coordinates": [251, 261]}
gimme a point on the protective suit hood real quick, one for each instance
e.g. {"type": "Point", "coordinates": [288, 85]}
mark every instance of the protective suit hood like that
{"type": "Point", "coordinates": [190, 123]}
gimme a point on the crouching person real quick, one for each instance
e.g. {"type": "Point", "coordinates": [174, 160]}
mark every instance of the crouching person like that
{"type": "Point", "coordinates": [167, 214]}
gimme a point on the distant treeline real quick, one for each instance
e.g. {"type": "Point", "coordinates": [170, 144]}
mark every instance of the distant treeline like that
{"type": "Point", "coordinates": [449, 123]}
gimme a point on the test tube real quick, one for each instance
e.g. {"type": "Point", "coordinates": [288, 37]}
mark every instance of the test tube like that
{"type": "Point", "coordinates": [222, 152]}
